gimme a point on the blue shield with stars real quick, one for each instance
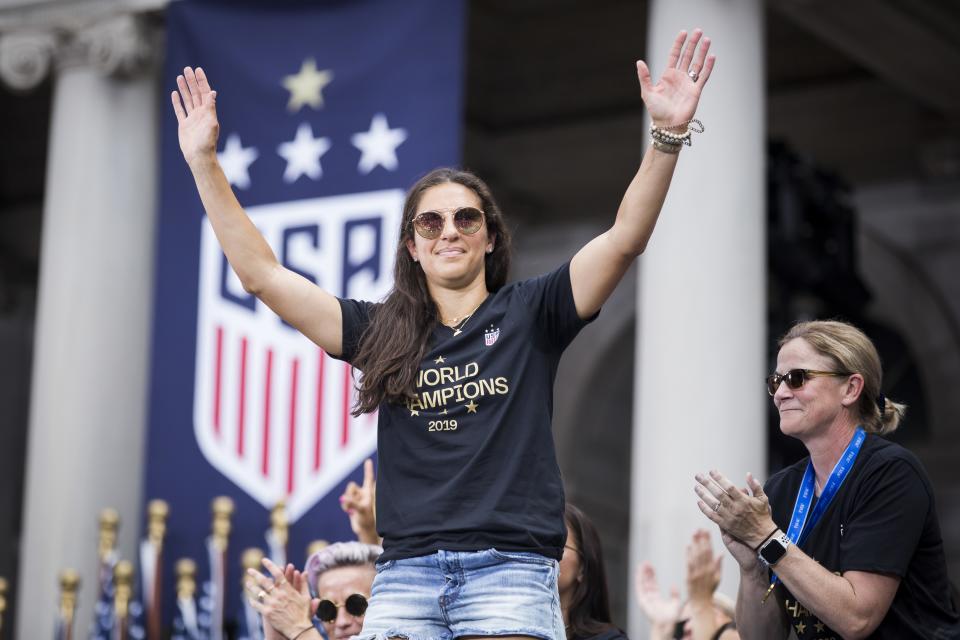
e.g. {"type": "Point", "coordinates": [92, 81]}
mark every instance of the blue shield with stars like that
{"type": "Point", "coordinates": [328, 112]}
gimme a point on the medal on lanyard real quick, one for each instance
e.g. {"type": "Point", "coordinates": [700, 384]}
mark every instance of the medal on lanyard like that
{"type": "Point", "coordinates": [803, 521]}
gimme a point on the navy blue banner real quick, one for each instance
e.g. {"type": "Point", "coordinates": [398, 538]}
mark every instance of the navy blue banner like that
{"type": "Point", "coordinates": [328, 112]}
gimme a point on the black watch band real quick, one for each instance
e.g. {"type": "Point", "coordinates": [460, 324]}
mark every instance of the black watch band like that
{"type": "Point", "coordinates": [774, 549]}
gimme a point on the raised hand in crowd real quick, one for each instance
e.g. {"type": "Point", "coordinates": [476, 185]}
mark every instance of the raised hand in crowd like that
{"type": "Point", "coordinates": [706, 615]}
{"type": "Point", "coordinates": [663, 612]}
{"type": "Point", "coordinates": [706, 619]}
{"type": "Point", "coordinates": [360, 503]}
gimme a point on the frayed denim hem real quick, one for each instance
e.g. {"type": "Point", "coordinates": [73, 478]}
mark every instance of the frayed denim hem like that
{"type": "Point", "coordinates": [392, 634]}
{"type": "Point", "coordinates": [530, 633]}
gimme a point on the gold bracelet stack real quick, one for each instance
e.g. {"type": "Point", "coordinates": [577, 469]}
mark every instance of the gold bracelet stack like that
{"type": "Point", "coordinates": [665, 140]}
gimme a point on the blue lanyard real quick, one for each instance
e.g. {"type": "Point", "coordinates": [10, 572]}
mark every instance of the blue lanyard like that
{"type": "Point", "coordinates": [803, 521]}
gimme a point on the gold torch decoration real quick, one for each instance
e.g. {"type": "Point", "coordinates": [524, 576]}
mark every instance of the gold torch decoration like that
{"type": "Point", "coordinates": [157, 513]}
{"type": "Point", "coordinates": [109, 525]}
{"type": "Point", "coordinates": [186, 570]}
{"type": "Point", "coordinates": [123, 581]}
{"type": "Point", "coordinates": [3, 602]}
{"type": "Point", "coordinates": [69, 587]}
{"type": "Point", "coordinates": [222, 508]}
{"type": "Point", "coordinates": [278, 534]}
{"type": "Point", "coordinates": [106, 547]}
{"type": "Point", "coordinates": [252, 558]}
{"type": "Point", "coordinates": [280, 522]}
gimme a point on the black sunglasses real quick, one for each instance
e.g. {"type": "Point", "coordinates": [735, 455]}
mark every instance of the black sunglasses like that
{"type": "Point", "coordinates": [429, 224]}
{"type": "Point", "coordinates": [796, 377]}
{"type": "Point", "coordinates": [356, 606]}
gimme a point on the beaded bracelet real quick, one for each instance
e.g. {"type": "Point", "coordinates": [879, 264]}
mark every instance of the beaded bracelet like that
{"type": "Point", "coordinates": [670, 142]}
{"type": "Point", "coordinates": [665, 147]}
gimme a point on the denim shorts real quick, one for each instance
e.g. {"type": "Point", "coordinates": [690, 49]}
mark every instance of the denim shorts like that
{"type": "Point", "coordinates": [450, 594]}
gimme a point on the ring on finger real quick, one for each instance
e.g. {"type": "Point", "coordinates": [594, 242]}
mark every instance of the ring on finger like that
{"type": "Point", "coordinates": [261, 596]}
{"type": "Point", "coordinates": [716, 507]}
{"type": "Point", "coordinates": [694, 74]}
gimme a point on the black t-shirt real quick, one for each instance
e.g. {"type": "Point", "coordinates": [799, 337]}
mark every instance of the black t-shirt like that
{"type": "Point", "coordinates": [882, 520]}
{"type": "Point", "coordinates": [613, 633]}
{"type": "Point", "coordinates": [470, 464]}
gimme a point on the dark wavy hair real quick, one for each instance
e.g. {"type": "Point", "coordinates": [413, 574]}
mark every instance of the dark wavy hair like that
{"type": "Point", "coordinates": [398, 336]}
{"type": "Point", "coordinates": [589, 612]}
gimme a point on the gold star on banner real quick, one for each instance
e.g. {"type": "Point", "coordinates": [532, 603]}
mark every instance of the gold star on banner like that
{"type": "Point", "coordinates": [439, 360]}
{"type": "Point", "coordinates": [819, 627]}
{"type": "Point", "coordinates": [471, 407]}
{"type": "Point", "coordinates": [800, 627]}
{"type": "Point", "coordinates": [306, 86]}
{"type": "Point", "coordinates": [444, 412]}
{"type": "Point", "coordinates": [414, 412]}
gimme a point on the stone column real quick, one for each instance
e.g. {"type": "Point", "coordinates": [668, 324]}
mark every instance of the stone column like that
{"type": "Point", "coordinates": [90, 373]}
{"type": "Point", "coordinates": [701, 340]}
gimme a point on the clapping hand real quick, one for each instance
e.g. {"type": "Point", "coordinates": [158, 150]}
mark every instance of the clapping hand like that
{"type": "Point", "coordinates": [283, 599]}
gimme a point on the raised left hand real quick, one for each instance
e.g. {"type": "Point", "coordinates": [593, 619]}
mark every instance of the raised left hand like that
{"type": "Point", "coordinates": [742, 514]}
{"type": "Point", "coordinates": [703, 568]}
{"type": "Point", "coordinates": [360, 503]}
{"type": "Point", "coordinates": [673, 99]}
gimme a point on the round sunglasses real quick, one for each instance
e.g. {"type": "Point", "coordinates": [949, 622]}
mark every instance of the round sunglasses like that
{"type": "Point", "coordinates": [356, 605]}
{"type": "Point", "coordinates": [796, 377]}
{"type": "Point", "coordinates": [429, 224]}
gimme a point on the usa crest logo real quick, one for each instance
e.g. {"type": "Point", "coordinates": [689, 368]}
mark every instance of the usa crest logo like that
{"type": "Point", "coordinates": [490, 336]}
{"type": "Point", "coordinates": [272, 409]}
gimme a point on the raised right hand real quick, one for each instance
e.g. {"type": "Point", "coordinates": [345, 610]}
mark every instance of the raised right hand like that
{"type": "Point", "coordinates": [662, 611]}
{"type": "Point", "coordinates": [195, 107]}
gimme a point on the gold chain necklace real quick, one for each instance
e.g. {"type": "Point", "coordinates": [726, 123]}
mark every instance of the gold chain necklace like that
{"type": "Point", "coordinates": [458, 324]}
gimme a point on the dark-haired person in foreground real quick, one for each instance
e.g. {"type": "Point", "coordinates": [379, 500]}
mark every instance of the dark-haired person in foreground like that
{"type": "Point", "coordinates": [846, 542]}
{"type": "Point", "coordinates": [460, 366]}
{"type": "Point", "coordinates": [584, 597]}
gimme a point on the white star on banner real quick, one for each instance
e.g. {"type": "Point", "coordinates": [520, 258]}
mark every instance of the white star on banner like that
{"type": "Point", "coordinates": [303, 154]}
{"type": "Point", "coordinates": [236, 160]}
{"type": "Point", "coordinates": [378, 145]}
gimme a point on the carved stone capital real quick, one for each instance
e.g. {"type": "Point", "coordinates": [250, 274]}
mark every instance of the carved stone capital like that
{"type": "Point", "coordinates": [118, 44]}
{"type": "Point", "coordinates": [26, 58]}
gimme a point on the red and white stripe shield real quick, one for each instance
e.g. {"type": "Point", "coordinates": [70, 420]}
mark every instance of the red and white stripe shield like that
{"type": "Point", "coordinates": [271, 409]}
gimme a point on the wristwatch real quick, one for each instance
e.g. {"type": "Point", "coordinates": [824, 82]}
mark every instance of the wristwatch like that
{"type": "Point", "coordinates": [774, 549]}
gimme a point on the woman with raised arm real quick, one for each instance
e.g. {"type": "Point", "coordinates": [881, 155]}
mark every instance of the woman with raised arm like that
{"type": "Point", "coordinates": [460, 366]}
{"type": "Point", "coordinates": [846, 542]}
{"type": "Point", "coordinates": [706, 615]}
